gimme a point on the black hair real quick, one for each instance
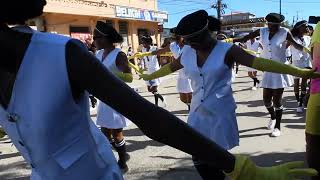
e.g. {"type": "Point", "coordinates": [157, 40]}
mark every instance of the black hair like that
{"type": "Point", "coordinates": [295, 30]}
{"type": "Point", "coordinates": [310, 27]}
{"type": "Point", "coordinates": [146, 39]}
{"type": "Point", "coordinates": [13, 12]}
{"type": "Point", "coordinates": [109, 32]}
{"type": "Point", "coordinates": [166, 42]}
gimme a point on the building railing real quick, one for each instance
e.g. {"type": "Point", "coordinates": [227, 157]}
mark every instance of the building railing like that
{"type": "Point", "coordinates": [245, 21]}
{"type": "Point", "coordinates": [83, 2]}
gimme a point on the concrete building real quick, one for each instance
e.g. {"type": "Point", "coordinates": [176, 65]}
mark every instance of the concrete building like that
{"type": "Point", "coordinates": [77, 18]}
{"type": "Point", "coordinates": [241, 22]}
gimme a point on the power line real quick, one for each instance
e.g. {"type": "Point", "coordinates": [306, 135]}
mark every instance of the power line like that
{"type": "Point", "coordinates": [182, 1]}
{"type": "Point", "coordinates": [184, 4]}
{"type": "Point", "coordinates": [294, 2]}
{"type": "Point", "coordinates": [187, 11]}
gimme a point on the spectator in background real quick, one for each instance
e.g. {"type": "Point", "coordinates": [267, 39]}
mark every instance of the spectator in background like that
{"type": "Point", "coordinates": [165, 59]}
{"type": "Point", "coordinates": [130, 53]}
{"type": "Point", "coordinates": [310, 30]}
{"type": "Point", "coordinates": [90, 45]}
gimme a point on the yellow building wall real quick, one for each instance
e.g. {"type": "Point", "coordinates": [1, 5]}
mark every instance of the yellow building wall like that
{"type": "Point", "coordinates": [59, 15]}
{"type": "Point", "coordinates": [60, 23]}
{"type": "Point", "coordinates": [105, 9]}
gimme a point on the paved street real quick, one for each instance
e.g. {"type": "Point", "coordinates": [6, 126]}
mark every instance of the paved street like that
{"type": "Point", "coordinates": [152, 160]}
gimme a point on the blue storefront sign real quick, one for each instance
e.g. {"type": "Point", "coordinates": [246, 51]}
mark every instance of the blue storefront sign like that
{"type": "Point", "coordinates": [141, 14]}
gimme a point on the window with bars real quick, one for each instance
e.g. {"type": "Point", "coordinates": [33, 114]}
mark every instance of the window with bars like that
{"type": "Point", "coordinates": [123, 30]}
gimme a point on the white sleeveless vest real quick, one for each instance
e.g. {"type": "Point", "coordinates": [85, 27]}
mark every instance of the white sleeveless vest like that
{"type": "Point", "coordinates": [253, 46]}
{"type": "Point", "coordinates": [151, 62]}
{"type": "Point", "coordinates": [183, 83]}
{"type": "Point", "coordinates": [110, 60]}
{"type": "Point", "coordinates": [300, 58]}
{"type": "Point", "coordinates": [152, 65]}
{"type": "Point", "coordinates": [275, 50]}
{"type": "Point", "coordinates": [54, 134]}
{"type": "Point", "coordinates": [106, 116]}
{"type": "Point", "coordinates": [175, 49]}
{"type": "Point", "coordinates": [213, 107]}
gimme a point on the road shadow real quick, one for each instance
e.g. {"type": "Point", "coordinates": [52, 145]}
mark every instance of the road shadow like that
{"type": "Point", "coordinates": [241, 82]}
{"type": "Point", "coordinates": [9, 171]}
{"type": "Point", "coordinates": [180, 112]}
{"type": "Point", "coordinates": [171, 157]}
{"type": "Point", "coordinates": [167, 87]}
{"type": "Point", "coordinates": [241, 90]}
{"type": "Point", "coordinates": [255, 103]}
{"type": "Point", "coordinates": [253, 129]}
{"type": "Point", "coordinates": [254, 135]}
{"type": "Point", "coordinates": [290, 102]}
{"type": "Point", "coordinates": [132, 132]}
{"type": "Point", "coordinates": [252, 114]}
{"type": "Point", "coordinates": [270, 159]}
{"type": "Point", "coordinates": [165, 94]}
{"type": "Point", "coordinates": [296, 126]}
{"type": "Point", "coordinates": [138, 145]}
{"type": "Point", "coordinates": [9, 155]}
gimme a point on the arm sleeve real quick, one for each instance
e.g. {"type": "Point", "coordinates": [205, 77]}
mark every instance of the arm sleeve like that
{"type": "Point", "coordinates": [89, 74]}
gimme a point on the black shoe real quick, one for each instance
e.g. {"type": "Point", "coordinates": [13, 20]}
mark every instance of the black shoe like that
{"type": "Point", "coordinates": [123, 163]}
{"type": "Point", "coordinates": [123, 167]}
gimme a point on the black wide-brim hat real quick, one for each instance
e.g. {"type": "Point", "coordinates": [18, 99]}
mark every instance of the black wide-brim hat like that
{"type": "Point", "coordinates": [13, 12]}
{"type": "Point", "coordinates": [275, 18]}
{"type": "Point", "coordinates": [173, 30]}
{"type": "Point", "coordinates": [300, 23]}
{"type": "Point", "coordinates": [192, 24]}
{"type": "Point", "coordinates": [214, 24]}
{"type": "Point", "coordinates": [109, 32]}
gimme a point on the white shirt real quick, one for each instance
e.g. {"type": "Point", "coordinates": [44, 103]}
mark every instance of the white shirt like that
{"type": "Point", "coordinates": [151, 62]}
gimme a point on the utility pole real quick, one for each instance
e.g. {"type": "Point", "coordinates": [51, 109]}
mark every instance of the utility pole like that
{"type": "Point", "coordinates": [293, 21]}
{"type": "Point", "coordinates": [219, 6]}
{"type": "Point", "coordinates": [219, 9]}
{"type": "Point", "coordinates": [280, 7]}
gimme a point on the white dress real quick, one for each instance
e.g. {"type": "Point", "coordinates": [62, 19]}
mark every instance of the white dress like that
{"type": "Point", "coordinates": [212, 110]}
{"type": "Point", "coordinates": [183, 83]}
{"type": "Point", "coordinates": [253, 47]}
{"type": "Point", "coordinates": [152, 65]}
{"type": "Point", "coordinates": [106, 116]}
{"type": "Point", "coordinates": [275, 50]}
{"type": "Point", "coordinates": [299, 58]}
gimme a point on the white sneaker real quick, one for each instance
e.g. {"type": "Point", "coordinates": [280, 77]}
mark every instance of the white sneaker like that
{"type": "Point", "coordinates": [254, 88]}
{"type": "Point", "coordinates": [276, 133]}
{"type": "Point", "coordinates": [271, 124]}
{"type": "Point", "coordinates": [300, 109]}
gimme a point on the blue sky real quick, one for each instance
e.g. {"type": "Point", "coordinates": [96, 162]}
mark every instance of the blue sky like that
{"type": "Point", "coordinates": [179, 8]}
